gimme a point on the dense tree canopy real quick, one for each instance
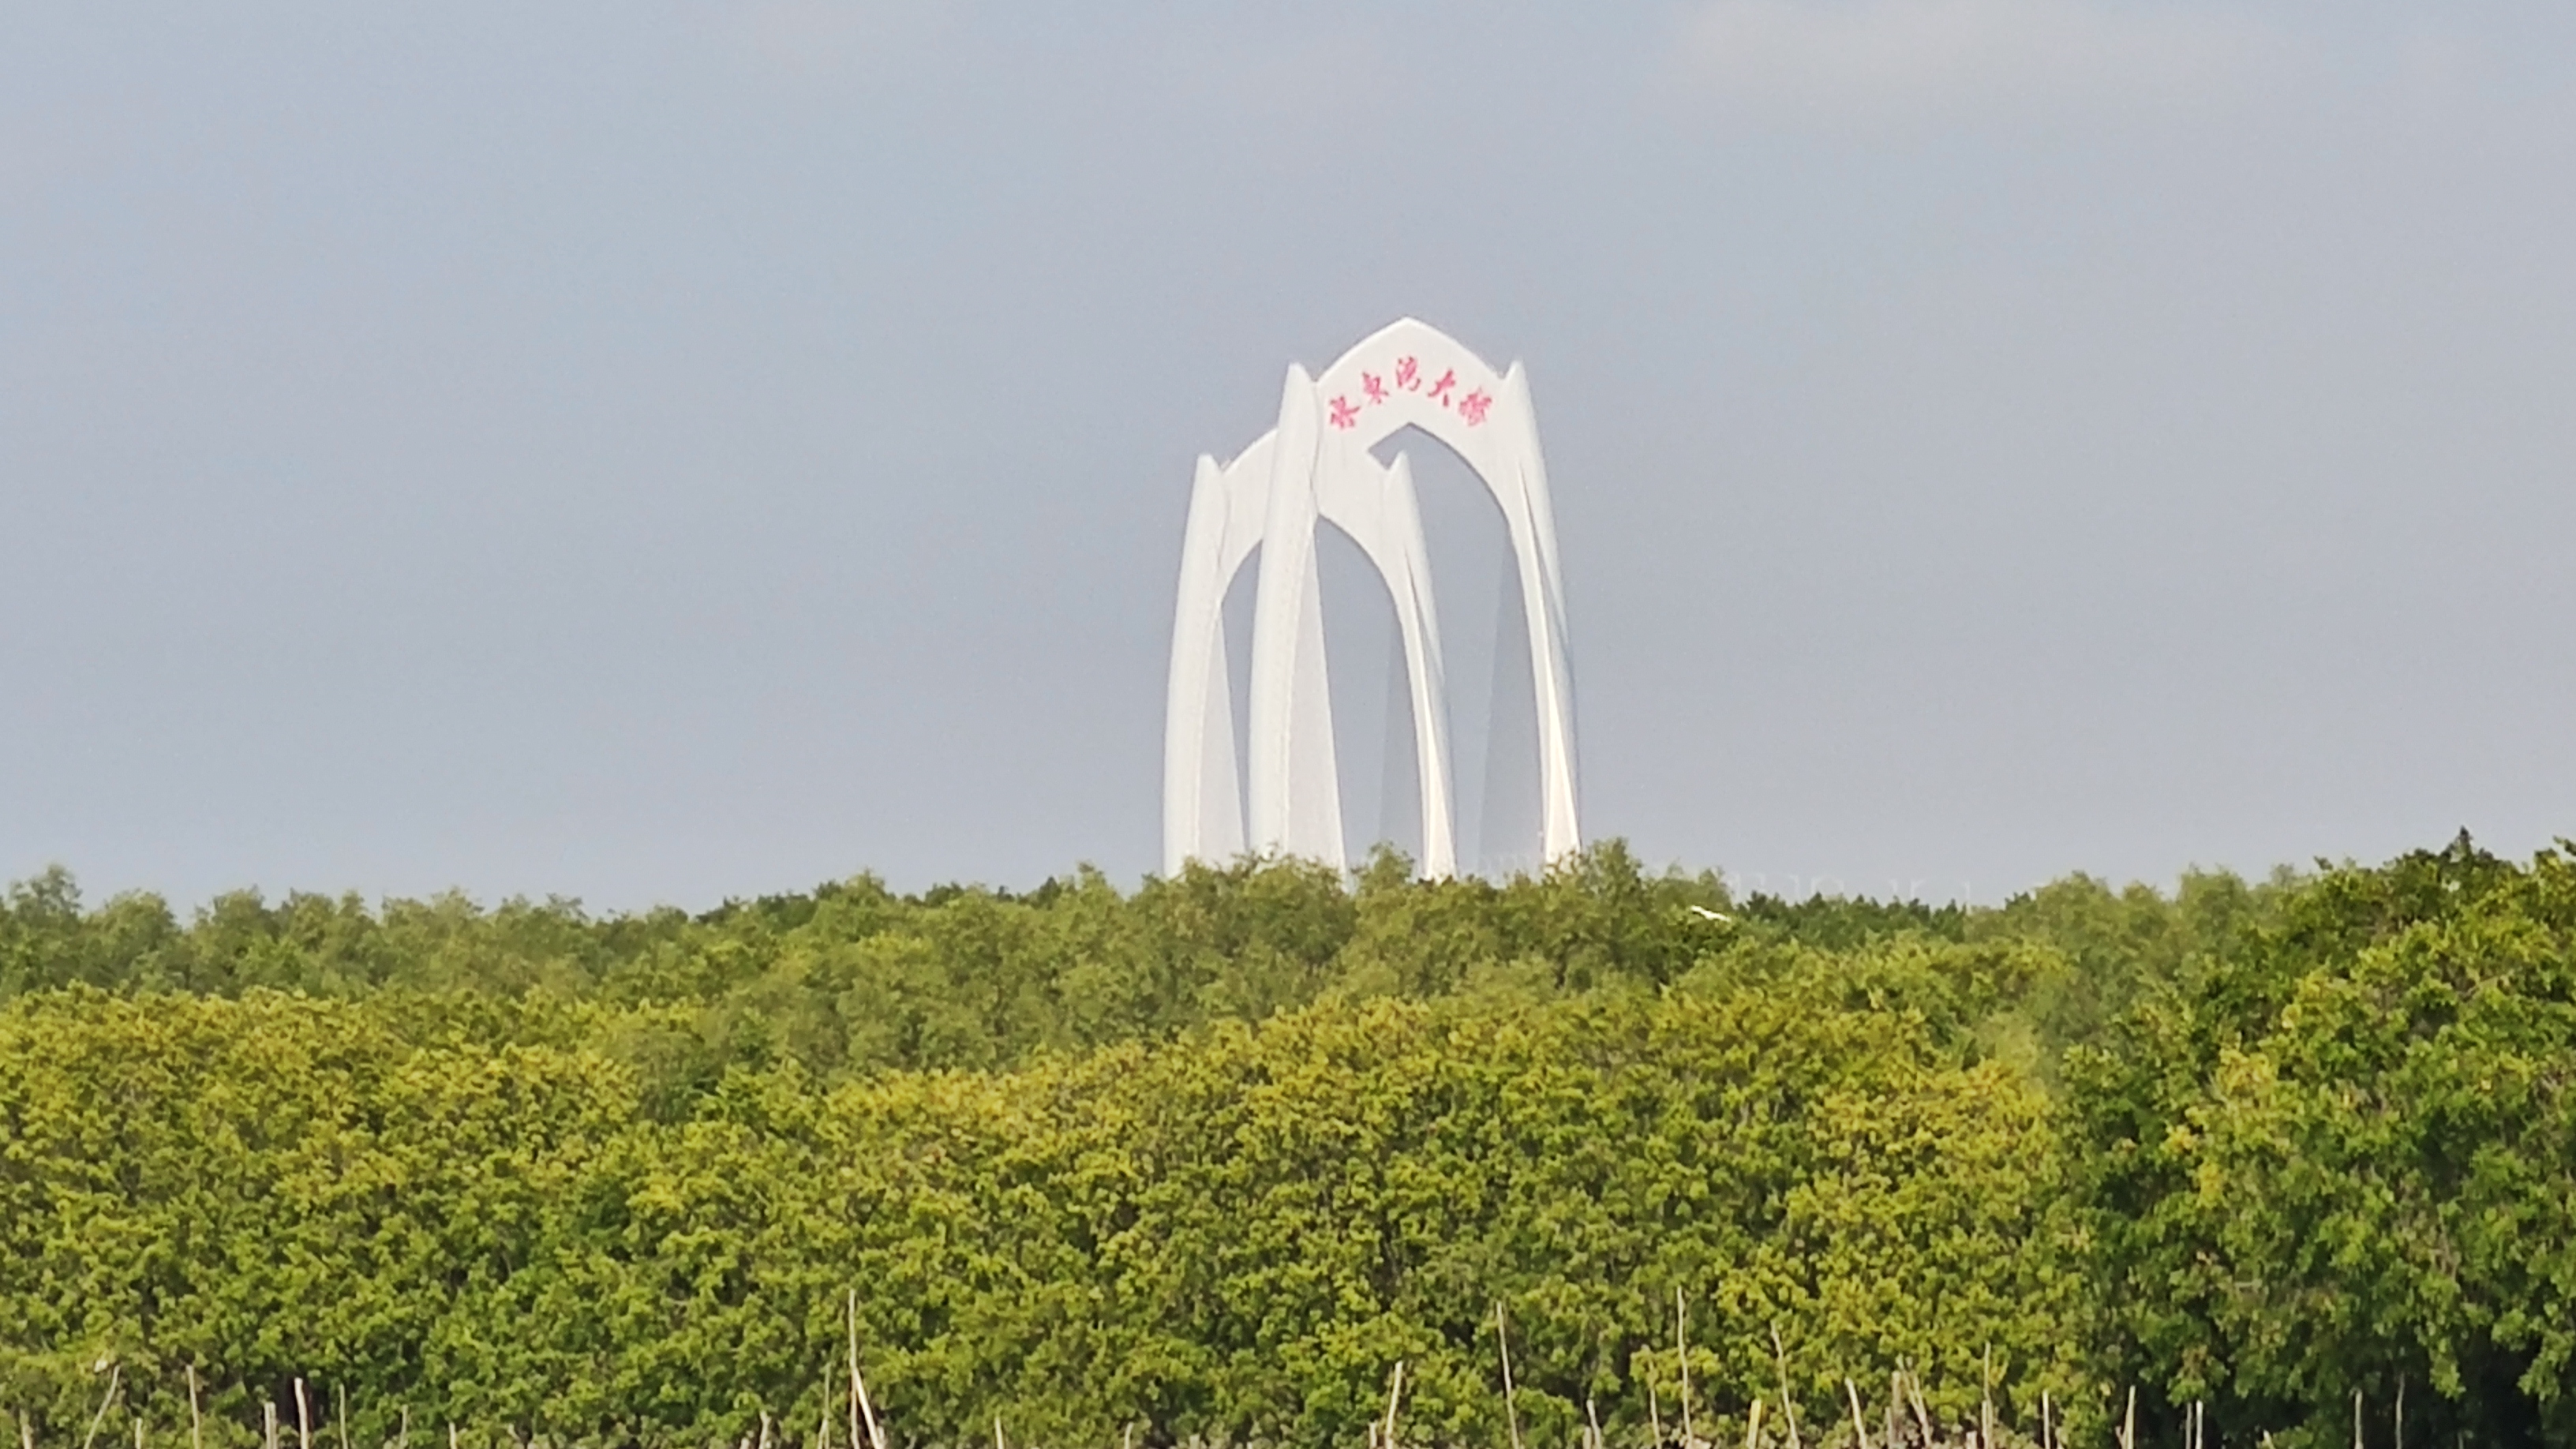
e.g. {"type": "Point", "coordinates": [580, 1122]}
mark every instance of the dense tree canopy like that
{"type": "Point", "coordinates": [1208, 1157]}
{"type": "Point", "coordinates": [2340, 1154]}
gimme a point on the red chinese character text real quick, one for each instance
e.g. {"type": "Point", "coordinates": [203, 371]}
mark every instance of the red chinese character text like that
{"type": "Point", "coordinates": [1344, 415]}
{"type": "Point", "coordinates": [1472, 406]}
{"type": "Point", "coordinates": [1408, 374]}
{"type": "Point", "coordinates": [1374, 386]}
{"type": "Point", "coordinates": [1440, 389]}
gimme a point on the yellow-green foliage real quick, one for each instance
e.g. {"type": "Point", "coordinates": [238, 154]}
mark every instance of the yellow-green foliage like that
{"type": "Point", "coordinates": [1210, 1156]}
{"type": "Point", "coordinates": [1238, 1232]}
{"type": "Point", "coordinates": [2341, 1157]}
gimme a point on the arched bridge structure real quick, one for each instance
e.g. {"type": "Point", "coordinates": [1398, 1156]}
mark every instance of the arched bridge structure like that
{"type": "Point", "coordinates": [1317, 466]}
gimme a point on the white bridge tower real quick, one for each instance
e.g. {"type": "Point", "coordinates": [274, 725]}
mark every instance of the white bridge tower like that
{"type": "Point", "coordinates": [1317, 465]}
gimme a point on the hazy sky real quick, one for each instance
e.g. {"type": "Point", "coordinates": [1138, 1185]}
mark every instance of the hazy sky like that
{"type": "Point", "coordinates": [653, 452]}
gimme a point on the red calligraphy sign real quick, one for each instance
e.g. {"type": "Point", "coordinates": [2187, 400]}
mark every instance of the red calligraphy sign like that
{"type": "Point", "coordinates": [1441, 389]}
{"type": "Point", "coordinates": [1345, 416]}
{"type": "Point", "coordinates": [1472, 407]}
{"type": "Point", "coordinates": [1374, 386]}
{"type": "Point", "coordinates": [1408, 374]}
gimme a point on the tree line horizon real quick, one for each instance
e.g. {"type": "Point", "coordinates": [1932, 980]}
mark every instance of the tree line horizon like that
{"type": "Point", "coordinates": [1205, 1158]}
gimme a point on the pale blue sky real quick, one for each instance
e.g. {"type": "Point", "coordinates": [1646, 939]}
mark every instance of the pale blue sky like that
{"type": "Point", "coordinates": [656, 452]}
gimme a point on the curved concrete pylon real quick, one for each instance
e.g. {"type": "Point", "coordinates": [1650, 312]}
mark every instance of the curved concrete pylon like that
{"type": "Point", "coordinates": [1202, 804]}
{"type": "Point", "coordinates": [1202, 778]}
{"type": "Point", "coordinates": [1294, 790]}
{"type": "Point", "coordinates": [1560, 836]}
{"type": "Point", "coordinates": [1377, 508]}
